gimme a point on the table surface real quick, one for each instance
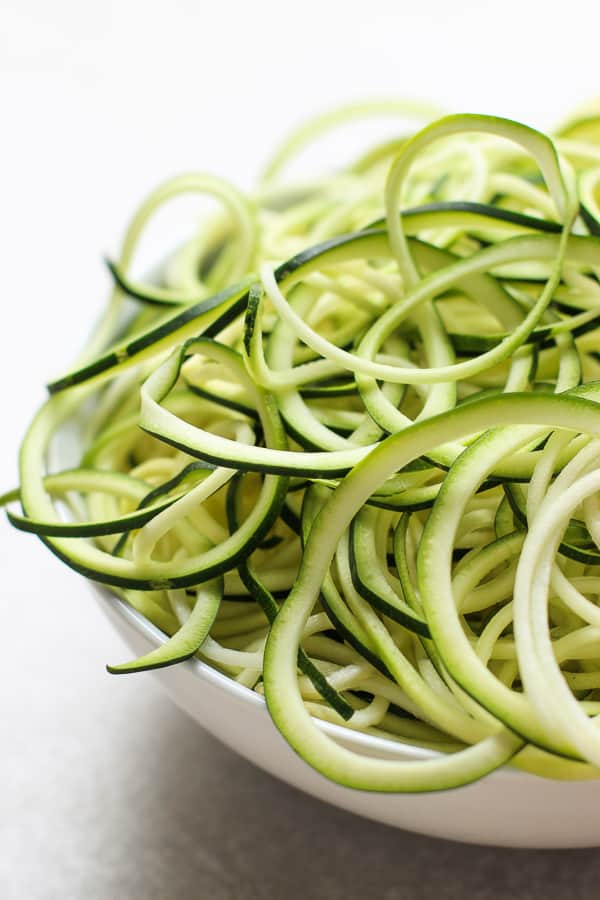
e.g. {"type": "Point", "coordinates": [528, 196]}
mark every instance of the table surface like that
{"type": "Point", "coordinates": [107, 791]}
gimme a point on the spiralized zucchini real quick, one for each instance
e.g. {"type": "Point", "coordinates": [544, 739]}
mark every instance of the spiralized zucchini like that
{"type": "Point", "coordinates": [346, 449]}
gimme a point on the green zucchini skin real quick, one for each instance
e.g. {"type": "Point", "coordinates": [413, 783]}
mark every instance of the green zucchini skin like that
{"type": "Point", "coordinates": [476, 213]}
{"type": "Point", "coordinates": [371, 584]}
{"type": "Point", "coordinates": [592, 223]}
{"type": "Point", "coordinates": [187, 641]}
{"type": "Point", "coordinates": [228, 303]}
{"type": "Point", "coordinates": [151, 502]}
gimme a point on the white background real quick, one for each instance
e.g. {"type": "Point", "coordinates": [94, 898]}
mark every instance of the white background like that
{"type": "Point", "coordinates": [105, 790]}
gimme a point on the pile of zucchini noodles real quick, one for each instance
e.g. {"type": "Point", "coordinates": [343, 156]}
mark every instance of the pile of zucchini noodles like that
{"type": "Point", "coordinates": [347, 448]}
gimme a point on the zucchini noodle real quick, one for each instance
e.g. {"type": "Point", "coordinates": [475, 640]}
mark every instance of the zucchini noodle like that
{"type": "Point", "coordinates": [345, 448]}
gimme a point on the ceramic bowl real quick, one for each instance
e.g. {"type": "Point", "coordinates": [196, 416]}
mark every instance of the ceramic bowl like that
{"type": "Point", "coordinates": [507, 808]}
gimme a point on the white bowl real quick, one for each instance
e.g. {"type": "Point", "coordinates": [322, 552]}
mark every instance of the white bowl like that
{"type": "Point", "coordinates": [507, 808]}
